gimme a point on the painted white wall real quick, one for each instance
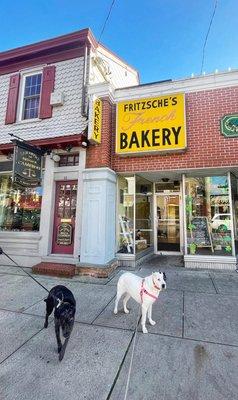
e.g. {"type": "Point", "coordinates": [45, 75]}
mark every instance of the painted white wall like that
{"type": "Point", "coordinates": [98, 216]}
{"type": "Point", "coordinates": [66, 119]}
{"type": "Point", "coordinates": [121, 74]}
{"type": "Point", "coordinates": [47, 208]}
{"type": "Point", "coordinates": [51, 176]}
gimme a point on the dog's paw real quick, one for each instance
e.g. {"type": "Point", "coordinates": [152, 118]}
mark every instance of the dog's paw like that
{"type": "Point", "coordinates": [152, 322]}
{"type": "Point", "coordinates": [46, 325]}
{"type": "Point", "coordinates": [59, 349]}
{"type": "Point", "coordinates": [126, 311]}
{"type": "Point", "coordinates": [115, 312]}
{"type": "Point", "coordinates": [144, 330]}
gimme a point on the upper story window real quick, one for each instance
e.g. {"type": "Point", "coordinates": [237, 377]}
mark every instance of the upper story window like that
{"type": "Point", "coordinates": [67, 160]}
{"type": "Point", "coordinates": [31, 96]}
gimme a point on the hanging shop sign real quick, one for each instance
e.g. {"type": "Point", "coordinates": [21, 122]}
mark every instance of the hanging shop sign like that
{"type": "Point", "coordinates": [64, 234]}
{"type": "Point", "coordinates": [151, 125]}
{"type": "Point", "coordinates": [27, 161]}
{"type": "Point", "coordinates": [95, 121]}
{"type": "Point", "coordinates": [229, 125]}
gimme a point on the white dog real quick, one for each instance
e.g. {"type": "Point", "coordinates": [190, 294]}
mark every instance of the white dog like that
{"type": "Point", "coordinates": [143, 290]}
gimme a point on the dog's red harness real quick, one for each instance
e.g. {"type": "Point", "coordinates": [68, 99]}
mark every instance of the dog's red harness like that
{"type": "Point", "coordinates": [143, 290]}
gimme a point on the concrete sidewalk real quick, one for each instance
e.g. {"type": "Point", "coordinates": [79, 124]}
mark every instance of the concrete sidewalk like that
{"type": "Point", "coordinates": [190, 354]}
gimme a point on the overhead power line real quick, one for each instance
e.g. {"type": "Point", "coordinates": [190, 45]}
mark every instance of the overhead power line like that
{"type": "Point", "coordinates": [107, 18]}
{"type": "Point", "coordinates": [208, 31]}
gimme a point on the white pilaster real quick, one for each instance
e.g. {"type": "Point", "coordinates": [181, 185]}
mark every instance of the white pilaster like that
{"type": "Point", "coordinates": [98, 216]}
{"type": "Point", "coordinates": [47, 207]}
{"type": "Point", "coordinates": [78, 221]}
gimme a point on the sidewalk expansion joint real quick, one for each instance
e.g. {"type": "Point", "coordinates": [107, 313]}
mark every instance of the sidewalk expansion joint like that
{"type": "Point", "coordinates": [216, 290]}
{"type": "Point", "coordinates": [23, 344]}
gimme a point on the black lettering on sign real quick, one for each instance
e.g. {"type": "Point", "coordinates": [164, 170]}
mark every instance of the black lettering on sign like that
{"type": "Point", "coordinates": [176, 133]}
{"type": "Point", "coordinates": [134, 140]}
{"type": "Point", "coordinates": [144, 138]}
{"type": "Point", "coordinates": [165, 136]}
{"type": "Point", "coordinates": [155, 137]}
{"type": "Point", "coordinates": [123, 140]}
{"type": "Point", "coordinates": [174, 101]}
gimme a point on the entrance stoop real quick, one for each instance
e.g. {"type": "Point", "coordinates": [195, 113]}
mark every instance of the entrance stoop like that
{"type": "Point", "coordinates": [97, 271]}
{"type": "Point", "coordinates": [54, 269]}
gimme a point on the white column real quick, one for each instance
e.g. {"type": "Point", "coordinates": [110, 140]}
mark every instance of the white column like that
{"type": "Point", "coordinates": [78, 221]}
{"type": "Point", "coordinates": [98, 217]}
{"type": "Point", "coordinates": [47, 208]}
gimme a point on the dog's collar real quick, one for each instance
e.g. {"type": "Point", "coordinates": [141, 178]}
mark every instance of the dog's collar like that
{"type": "Point", "coordinates": [60, 302]}
{"type": "Point", "coordinates": [144, 291]}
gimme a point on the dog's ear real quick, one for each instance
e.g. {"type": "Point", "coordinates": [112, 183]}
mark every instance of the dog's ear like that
{"type": "Point", "coordinates": [164, 276]}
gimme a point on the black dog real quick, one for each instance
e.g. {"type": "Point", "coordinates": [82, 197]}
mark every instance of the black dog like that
{"type": "Point", "coordinates": [62, 300]}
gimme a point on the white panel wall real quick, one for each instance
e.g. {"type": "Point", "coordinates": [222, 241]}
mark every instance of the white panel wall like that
{"type": "Point", "coordinates": [66, 119]}
{"type": "Point", "coordinates": [122, 75]}
{"type": "Point", "coordinates": [98, 216]}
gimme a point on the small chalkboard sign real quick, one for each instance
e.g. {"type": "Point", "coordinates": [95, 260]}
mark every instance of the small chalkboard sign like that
{"type": "Point", "coordinates": [200, 234]}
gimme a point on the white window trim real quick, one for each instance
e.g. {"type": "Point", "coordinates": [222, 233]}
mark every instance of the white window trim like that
{"type": "Point", "coordinates": [24, 75]}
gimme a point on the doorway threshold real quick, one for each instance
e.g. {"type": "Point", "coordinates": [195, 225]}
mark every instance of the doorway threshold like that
{"type": "Point", "coordinates": [169, 253]}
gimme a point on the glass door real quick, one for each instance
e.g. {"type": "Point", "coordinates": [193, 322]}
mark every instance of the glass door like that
{"type": "Point", "coordinates": [167, 226]}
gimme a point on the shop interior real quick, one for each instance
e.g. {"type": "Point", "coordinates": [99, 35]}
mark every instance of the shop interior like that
{"type": "Point", "coordinates": [178, 214]}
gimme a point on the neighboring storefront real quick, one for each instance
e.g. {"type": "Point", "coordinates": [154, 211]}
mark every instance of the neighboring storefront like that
{"type": "Point", "coordinates": [44, 102]}
{"type": "Point", "coordinates": [173, 147]}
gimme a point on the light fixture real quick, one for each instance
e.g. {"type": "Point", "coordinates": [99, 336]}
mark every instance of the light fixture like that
{"type": "Point", "coordinates": [10, 156]}
{"type": "Point", "coordinates": [55, 157]}
{"type": "Point", "coordinates": [84, 144]}
{"type": "Point", "coordinates": [69, 147]}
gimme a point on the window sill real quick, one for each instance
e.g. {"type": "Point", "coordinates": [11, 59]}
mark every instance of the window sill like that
{"type": "Point", "coordinates": [29, 235]}
{"type": "Point", "coordinates": [28, 121]}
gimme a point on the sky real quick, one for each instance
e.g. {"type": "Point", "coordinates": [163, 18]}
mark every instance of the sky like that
{"type": "Point", "coordinates": [161, 39]}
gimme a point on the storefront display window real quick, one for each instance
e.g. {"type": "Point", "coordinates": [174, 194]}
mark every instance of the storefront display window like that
{"type": "Point", "coordinates": [126, 194]}
{"type": "Point", "coordinates": [144, 206]}
{"type": "Point", "coordinates": [19, 208]}
{"type": "Point", "coordinates": [208, 216]}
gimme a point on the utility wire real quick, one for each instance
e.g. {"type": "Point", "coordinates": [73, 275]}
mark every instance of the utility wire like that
{"type": "Point", "coordinates": [104, 25]}
{"type": "Point", "coordinates": [205, 42]}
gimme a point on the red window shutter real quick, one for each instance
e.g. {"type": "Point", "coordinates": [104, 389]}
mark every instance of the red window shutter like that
{"type": "Point", "coordinates": [12, 99]}
{"type": "Point", "coordinates": [48, 81]}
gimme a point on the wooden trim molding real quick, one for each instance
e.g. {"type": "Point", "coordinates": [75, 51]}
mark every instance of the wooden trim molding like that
{"type": "Point", "coordinates": [56, 142]}
{"type": "Point", "coordinates": [48, 51]}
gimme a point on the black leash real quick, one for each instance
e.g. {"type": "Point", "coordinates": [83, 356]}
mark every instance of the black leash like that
{"type": "Point", "coordinates": [60, 301]}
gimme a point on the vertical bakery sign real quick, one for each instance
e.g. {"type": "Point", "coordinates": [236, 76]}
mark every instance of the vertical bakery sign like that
{"type": "Point", "coordinates": [151, 125]}
{"type": "Point", "coordinates": [95, 120]}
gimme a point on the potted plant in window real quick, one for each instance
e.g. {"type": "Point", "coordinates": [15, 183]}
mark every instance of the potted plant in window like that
{"type": "Point", "coordinates": [192, 248]}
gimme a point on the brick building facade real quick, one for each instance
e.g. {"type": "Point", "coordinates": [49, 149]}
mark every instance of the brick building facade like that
{"type": "Point", "coordinates": [182, 202]}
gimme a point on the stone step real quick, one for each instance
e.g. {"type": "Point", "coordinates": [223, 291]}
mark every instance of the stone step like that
{"type": "Point", "coordinates": [54, 269]}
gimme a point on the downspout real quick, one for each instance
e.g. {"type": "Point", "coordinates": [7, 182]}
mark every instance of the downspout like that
{"type": "Point", "coordinates": [84, 109]}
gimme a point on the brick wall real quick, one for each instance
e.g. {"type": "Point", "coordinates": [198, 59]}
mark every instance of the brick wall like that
{"type": "Point", "coordinates": [100, 155]}
{"type": "Point", "coordinates": [206, 146]}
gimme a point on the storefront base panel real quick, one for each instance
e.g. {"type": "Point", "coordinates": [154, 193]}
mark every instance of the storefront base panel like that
{"type": "Point", "coordinates": [22, 247]}
{"type": "Point", "coordinates": [96, 270]}
{"type": "Point", "coordinates": [131, 261]}
{"type": "Point", "coordinates": [204, 262]}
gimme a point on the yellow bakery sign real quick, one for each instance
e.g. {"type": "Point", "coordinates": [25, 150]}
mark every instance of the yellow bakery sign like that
{"type": "Point", "coordinates": [151, 125]}
{"type": "Point", "coordinates": [96, 121]}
